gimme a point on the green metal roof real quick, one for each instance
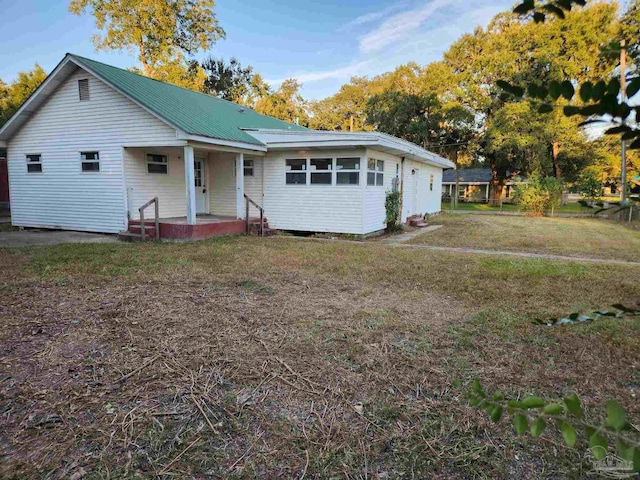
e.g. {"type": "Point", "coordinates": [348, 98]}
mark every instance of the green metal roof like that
{"type": "Point", "coordinates": [192, 112]}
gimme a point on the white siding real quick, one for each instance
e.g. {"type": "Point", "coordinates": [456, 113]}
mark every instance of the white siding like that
{"type": "Point", "coordinates": [313, 208]}
{"type": "Point", "coordinates": [142, 186]}
{"type": "Point", "coordinates": [253, 184]}
{"type": "Point", "coordinates": [62, 196]}
{"type": "Point", "coordinates": [423, 200]}
{"type": "Point", "coordinates": [374, 209]}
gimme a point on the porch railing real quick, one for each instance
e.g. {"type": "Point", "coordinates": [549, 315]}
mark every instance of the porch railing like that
{"type": "Point", "coordinates": [249, 202]}
{"type": "Point", "coordinates": [143, 232]}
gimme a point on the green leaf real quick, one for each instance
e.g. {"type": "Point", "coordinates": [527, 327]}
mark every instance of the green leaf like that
{"type": "Point", "coordinates": [572, 402]}
{"type": "Point", "coordinates": [567, 89]}
{"type": "Point", "coordinates": [616, 416]}
{"type": "Point", "coordinates": [598, 90]}
{"type": "Point", "coordinates": [524, 8]}
{"type": "Point", "coordinates": [634, 87]}
{"type": "Point", "coordinates": [478, 389]}
{"type": "Point", "coordinates": [570, 110]}
{"type": "Point", "coordinates": [504, 85]}
{"type": "Point", "coordinates": [498, 396]}
{"type": "Point", "coordinates": [568, 433]}
{"type": "Point", "coordinates": [474, 401]}
{"type": "Point", "coordinates": [545, 108]}
{"type": "Point", "coordinates": [496, 413]}
{"type": "Point", "coordinates": [598, 446]}
{"type": "Point", "coordinates": [585, 91]}
{"type": "Point", "coordinates": [537, 427]}
{"type": "Point", "coordinates": [553, 409]}
{"type": "Point", "coordinates": [533, 402]}
{"type": "Point", "coordinates": [617, 130]}
{"type": "Point", "coordinates": [539, 17]}
{"type": "Point", "coordinates": [614, 87]}
{"type": "Point", "coordinates": [554, 89]}
{"type": "Point", "coordinates": [520, 423]}
{"type": "Point", "coordinates": [551, 8]}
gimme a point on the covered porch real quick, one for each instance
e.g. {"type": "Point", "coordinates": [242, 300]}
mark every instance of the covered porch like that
{"type": "Point", "coordinates": [201, 189]}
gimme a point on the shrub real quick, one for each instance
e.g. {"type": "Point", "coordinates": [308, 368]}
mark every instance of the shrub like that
{"type": "Point", "coordinates": [539, 194]}
{"type": "Point", "coordinates": [590, 187]}
{"type": "Point", "coordinates": [392, 207]}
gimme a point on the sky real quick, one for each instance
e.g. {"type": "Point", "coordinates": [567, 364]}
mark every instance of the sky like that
{"type": "Point", "coordinates": [322, 44]}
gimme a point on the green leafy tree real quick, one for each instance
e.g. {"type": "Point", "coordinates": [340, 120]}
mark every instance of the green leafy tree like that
{"type": "Point", "coordinates": [163, 33]}
{"type": "Point", "coordinates": [539, 194]}
{"type": "Point", "coordinates": [12, 96]}
{"type": "Point", "coordinates": [286, 103]}
{"type": "Point", "coordinates": [231, 81]}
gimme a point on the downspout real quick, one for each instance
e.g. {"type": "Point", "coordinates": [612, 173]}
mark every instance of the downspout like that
{"type": "Point", "coordinates": [402, 190]}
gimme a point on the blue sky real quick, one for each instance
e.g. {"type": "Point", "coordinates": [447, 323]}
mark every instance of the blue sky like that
{"type": "Point", "coordinates": [322, 44]}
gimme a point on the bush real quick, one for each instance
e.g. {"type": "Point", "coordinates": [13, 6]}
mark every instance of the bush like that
{"type": "Point", "coordinates": [392, 207]}
{"type": "Point", "coordinates": [539, 194]}
{"type": "Point", "coordinates": [590, 187]}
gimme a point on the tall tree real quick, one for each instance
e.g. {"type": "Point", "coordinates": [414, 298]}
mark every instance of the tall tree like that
{"type": "Point", "coordinates": [162, 32]}
{"type": "Point", "coordinates": [12, 96]}
{"type": "Point", "coordinates": [286, 103]}
{"type": "Point", "coordinates": [231, 81]}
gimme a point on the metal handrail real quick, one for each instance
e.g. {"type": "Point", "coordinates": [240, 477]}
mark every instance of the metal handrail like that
{"type": "Point", "coordinates": [247, 202]}
{"type": "Point", "coordinates": [157, 219]}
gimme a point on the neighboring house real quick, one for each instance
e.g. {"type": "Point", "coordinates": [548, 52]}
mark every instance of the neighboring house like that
{"type": "Point", "coordinates": [4, 181]}
{"type": "Point", "coordinates": [475, 185]}
{"type": "Point", "coordinates": [94, 143]}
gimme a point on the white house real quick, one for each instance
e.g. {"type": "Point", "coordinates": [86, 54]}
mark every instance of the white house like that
{"type": "Point", "coordinates": [94, 143]}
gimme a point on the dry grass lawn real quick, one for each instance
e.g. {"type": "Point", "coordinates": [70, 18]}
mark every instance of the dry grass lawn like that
{"type": "Point", "coordinates": [562, 236]}
{"type": "Point", "coordinates": [248, 357]}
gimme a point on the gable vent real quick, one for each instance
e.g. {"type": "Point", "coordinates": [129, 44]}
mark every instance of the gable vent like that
{"type": "Point", "coordinates": [83, 89]}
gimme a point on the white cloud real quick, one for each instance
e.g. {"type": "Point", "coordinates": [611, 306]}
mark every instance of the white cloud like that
{"type": "Point", "coordinates": [372, 16]}
{"type": "Point", "coordinates": [345, 72]}
{"type": "Point", "coordinates": [399, 26]}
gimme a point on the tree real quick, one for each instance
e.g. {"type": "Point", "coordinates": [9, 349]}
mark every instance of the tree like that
{"type": "Point", "coordinates": [14, 95]}
{"type": "Point", "coordinates": [286, 103]}
{"type": "Point", "coordinates": [162, 32]}
{"type": "Point", "coordinates": [233, 82]}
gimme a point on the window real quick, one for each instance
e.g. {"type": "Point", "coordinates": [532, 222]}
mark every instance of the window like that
{"type": "Point", "coordinates": [431, 182]}
{"type": "Point", "coordinates": [296, 172]}
{"type": "Point", "coordinates": [375, 172]}
{"type": "Point", "coordinates": [34, 163]}
{"type": "Point", "coordinates": [83, 89]}
{"type": "Point", "coordinates": [248, 168]}
{"type": "Point", "coordinates": [320, 171]}
{"type": "Point", "coordinates": [90, 161]}
{"type": "Point", "coordinates": [157, 163]}
{"type": "Point", "coordinates": [348, 171]}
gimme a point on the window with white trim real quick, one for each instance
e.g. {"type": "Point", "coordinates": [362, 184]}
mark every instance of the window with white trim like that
{"type": "Point", "coordinates": [375, 172]}
{"type": "Point", "coordinates": [34, 163]}
{"type": "Point", "coordinates": [348, 171]}
{"type": "Point", "coordinates": [157, 163]}
{"type": "Point", "coordinates": [296, 171]}
{"type": "Point", "coordinates": [248, 168]}
{"type": "Point", "coordinates": [320, 169]}
{"type": "Point", "coordinates": [90, 161]}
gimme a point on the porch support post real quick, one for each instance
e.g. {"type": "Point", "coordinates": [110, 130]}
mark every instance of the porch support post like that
{"type": "Point", "coordinates": [240, 213]}
{"type": "Point", "coordinates": [189, 178]}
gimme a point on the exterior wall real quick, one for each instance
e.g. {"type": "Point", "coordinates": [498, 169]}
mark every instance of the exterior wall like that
{"type": "Point", "coordinates": [253, 184]}
{"type": "Point", "coordinates": [143, 186]}
{"type": "Point", "coordinates": [313, 208]}
{"type": "Point", "coordinates": [420, 199]}
{"type": "Point", "coordinates": [222, 183]}
{"type": "Point", "coordinates": [374, 210]}
{"type": "Point", "coordinates": [4, 182]}
{"type": "Point", "coordinates": [62, 196]}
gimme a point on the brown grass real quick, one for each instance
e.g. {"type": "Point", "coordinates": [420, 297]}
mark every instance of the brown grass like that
{"type": "Point", "coordinates": [563, 236]}
{"type": "Point", "coordinates": [278, 357]}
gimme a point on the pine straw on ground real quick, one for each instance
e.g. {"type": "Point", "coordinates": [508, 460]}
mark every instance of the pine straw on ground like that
{"type": "Point", "coordinates": [298, 370]}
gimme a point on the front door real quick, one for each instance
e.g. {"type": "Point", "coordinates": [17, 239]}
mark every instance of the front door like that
{"type": "Point", "coordinates": [414, 192]}
{"type": "Point", "coordinates": [201, 188]}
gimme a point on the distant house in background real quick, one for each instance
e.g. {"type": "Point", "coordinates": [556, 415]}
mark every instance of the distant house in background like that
{"type": "Point", "coordinates": [475, 185]}
{"type": "Point", "coordinates": [4, 181]}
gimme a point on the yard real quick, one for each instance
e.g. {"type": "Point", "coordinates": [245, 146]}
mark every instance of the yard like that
{"type": "Point", "coordinates": [571, 207]}
{"type": "Point", "coordinates": [586, 237]}
{"type": "Point", "coordinates": [292, 358]}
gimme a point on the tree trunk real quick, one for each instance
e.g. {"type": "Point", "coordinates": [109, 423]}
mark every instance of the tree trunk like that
{"type": "Point", "coordinates": [497, 184]}
{"type": "Point", "coordinates": [555, 151]}
{"type": "Point", "coordinates": [455, 161]}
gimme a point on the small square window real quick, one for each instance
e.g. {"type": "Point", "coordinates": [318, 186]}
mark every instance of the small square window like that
{"type": "Point", "coordinates": [157, 163]}
{"type": "Point", "coordinates": [296, 171]}
{"type": "Point", "coordinates": [375, 172]}
{"type": "Point", "coordinates": [320, 171]}
{"type": "Point", "coordinates": [348, 171]}
{"type": "Point", "coordinates": [248, 168]}
{"type": "Point", "coordinates": [34, 163]}
{"type": "Point", "coordinates": [90, 161]}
